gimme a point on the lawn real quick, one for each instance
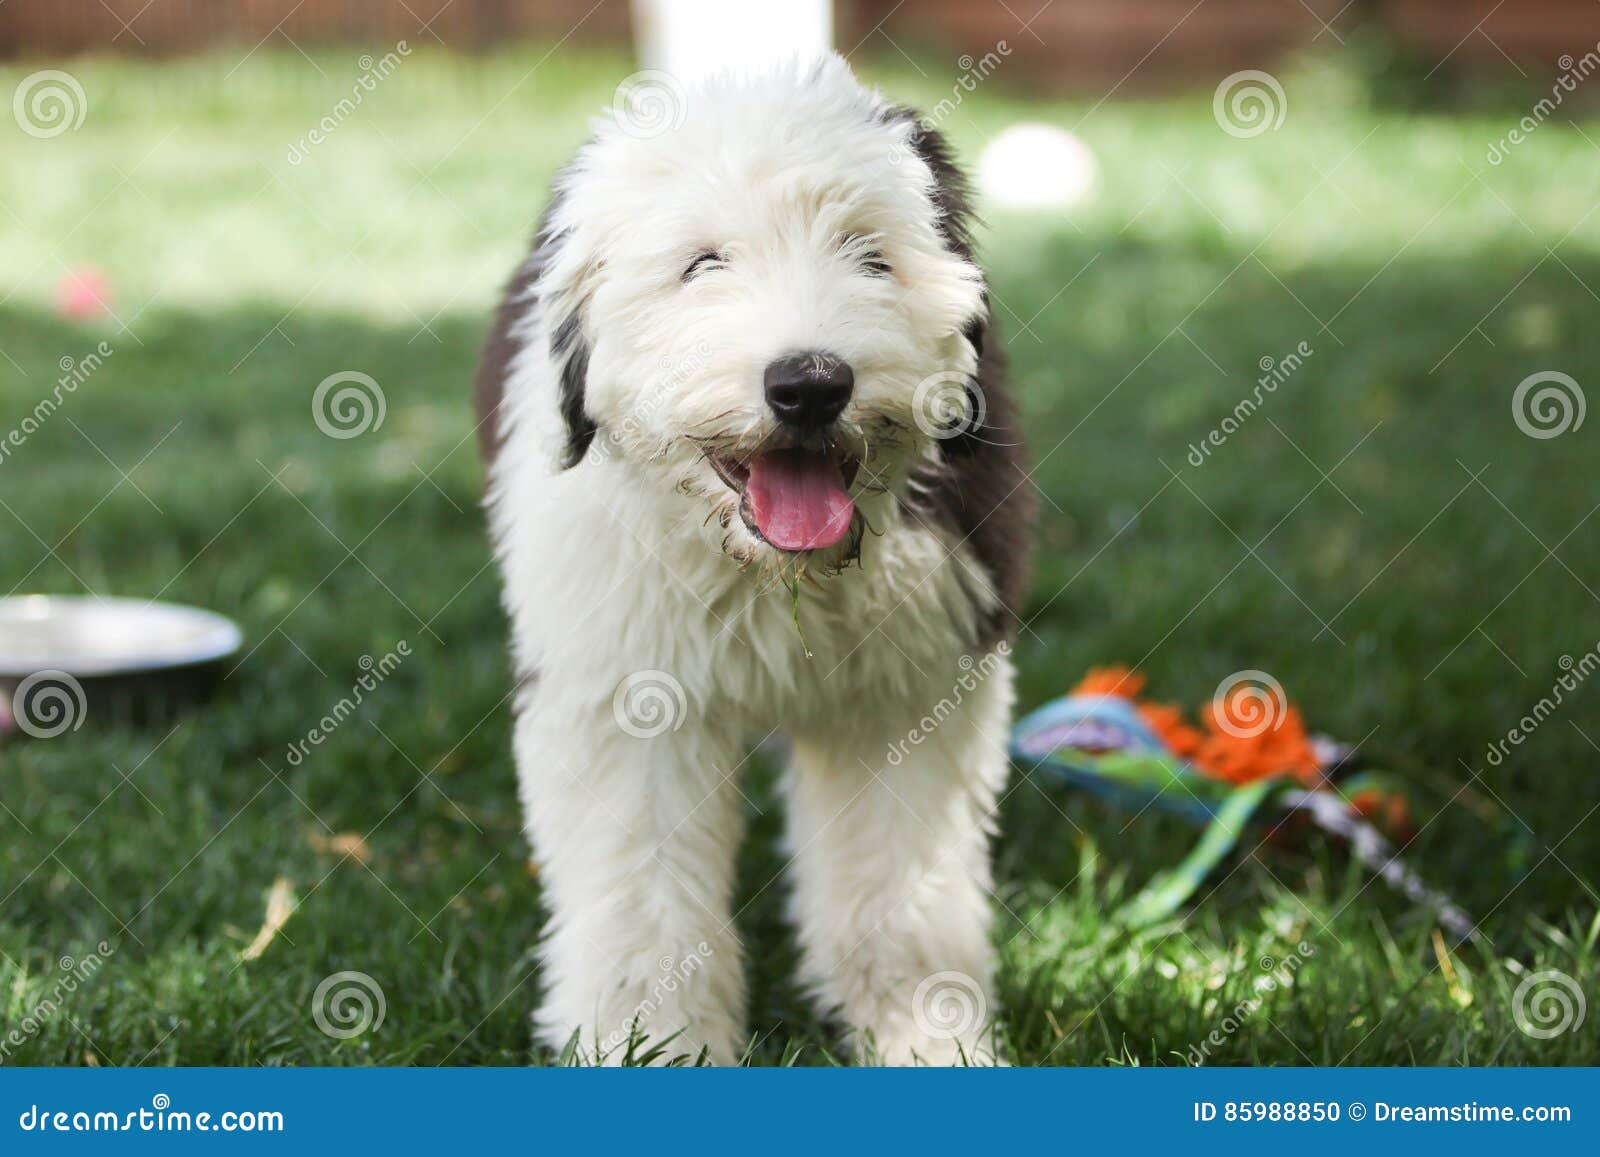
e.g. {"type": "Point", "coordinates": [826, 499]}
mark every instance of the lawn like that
{"type": "Point", "coordinates": [1380, 536]}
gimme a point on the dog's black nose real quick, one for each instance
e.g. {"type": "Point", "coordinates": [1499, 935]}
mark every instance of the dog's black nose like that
{"type": "Point", "coordinates": [808, 390]}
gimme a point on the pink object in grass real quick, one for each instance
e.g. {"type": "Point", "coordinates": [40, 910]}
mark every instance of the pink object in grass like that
{"type": "Point", "coordinates": [83, 294]}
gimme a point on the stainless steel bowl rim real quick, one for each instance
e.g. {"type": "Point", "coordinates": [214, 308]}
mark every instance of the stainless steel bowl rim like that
{"type": "Point", "coordinates": [186, 636]}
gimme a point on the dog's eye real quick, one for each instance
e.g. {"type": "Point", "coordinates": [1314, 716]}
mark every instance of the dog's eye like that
{"type": "Point", "coordinates": [710, 259]}
{"type": "Point", "coordinates": [871, 260]}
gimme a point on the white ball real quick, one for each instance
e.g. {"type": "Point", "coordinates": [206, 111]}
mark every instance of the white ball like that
{"type": "Point", "coordinates": [1036, 166]}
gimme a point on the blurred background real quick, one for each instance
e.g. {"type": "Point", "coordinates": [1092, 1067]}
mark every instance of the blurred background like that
{"type": "Point", "coordinates": [1065, 45]}
{"type": "Point", "coordinates": [1374, 221]}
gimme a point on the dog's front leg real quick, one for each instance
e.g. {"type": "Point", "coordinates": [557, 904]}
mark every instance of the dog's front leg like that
{"type": "Point", "coordinates": [635, 835]}
{"type": "Point", "coordinates": [890, 838]}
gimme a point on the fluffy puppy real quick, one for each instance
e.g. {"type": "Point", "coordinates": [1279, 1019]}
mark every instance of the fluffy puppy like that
{"type": "Point", "coordinates": [752, 472]}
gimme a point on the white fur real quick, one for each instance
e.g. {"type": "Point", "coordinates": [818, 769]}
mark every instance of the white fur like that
{"type": "Point", "coordinates": [635, 560]}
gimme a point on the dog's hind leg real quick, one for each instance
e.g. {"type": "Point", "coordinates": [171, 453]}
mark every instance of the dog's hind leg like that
{"type": "Point", "coordinates": [890, 843]}
{"type": "Point", "coordinates": [635, 835]}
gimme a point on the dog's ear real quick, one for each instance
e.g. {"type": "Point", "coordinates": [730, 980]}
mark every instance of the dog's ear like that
{"type": "Point", "coordinates": [973, 434]}
{"type": "Point", "coordinates": [952, 201]}
{"type": "Point", "coordinates": [560, 274]}
{"type": "Point", "coordinates": [952, 196]}
{"type": "Point", "coordinates": [570, 350]}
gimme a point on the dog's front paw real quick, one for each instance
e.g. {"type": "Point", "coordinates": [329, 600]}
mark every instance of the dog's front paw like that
{"type": "Point", "coordinates": [946, 1023]}
{"type": "Point", "coordinates": [635, 1045]}
{"type": "Point", "coordinates": [917, 1048]}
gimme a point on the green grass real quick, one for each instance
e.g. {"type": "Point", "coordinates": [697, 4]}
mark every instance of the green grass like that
{"type": "Point", "coordinates": [1454, 559]}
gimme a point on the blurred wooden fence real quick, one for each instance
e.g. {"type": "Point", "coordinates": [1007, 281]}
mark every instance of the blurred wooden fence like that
{"type": "Point", "coordinates": [1093, 44]}
{"type": "Point", "coordinates": [51, 27]}
{"type": "Point", "coordinates": [1082, 44]}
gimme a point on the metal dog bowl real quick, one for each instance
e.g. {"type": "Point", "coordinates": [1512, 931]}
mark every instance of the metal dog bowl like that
{"type": "Point", "coordinates": [67, 659]}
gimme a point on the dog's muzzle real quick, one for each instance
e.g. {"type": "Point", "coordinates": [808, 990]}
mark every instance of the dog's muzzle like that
{"type": "Point", "coordinates": [807, 391]}
{"type": "Point", "coordinates": [795, 492]}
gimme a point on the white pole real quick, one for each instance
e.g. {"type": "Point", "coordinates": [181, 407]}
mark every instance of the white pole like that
{"type": "Point", "coordinates": [692, 38]}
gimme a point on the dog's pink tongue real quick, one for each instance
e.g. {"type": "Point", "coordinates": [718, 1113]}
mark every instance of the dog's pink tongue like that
{"type": "Point", "coordinates": [798, 500]}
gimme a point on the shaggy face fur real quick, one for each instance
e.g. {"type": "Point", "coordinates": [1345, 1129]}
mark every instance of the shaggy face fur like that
{"type": "Point", "coordinates": [682, 265]}
{"type": "Point", "coordinates": [746, 351]}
